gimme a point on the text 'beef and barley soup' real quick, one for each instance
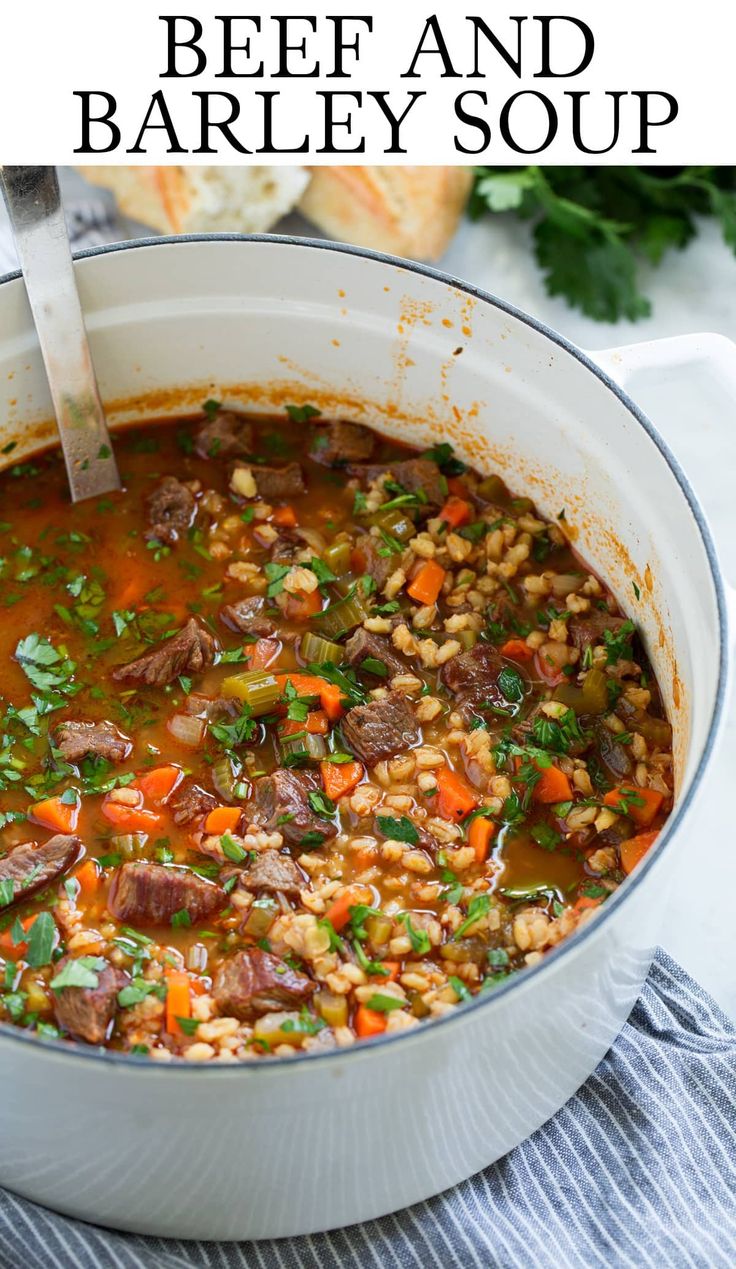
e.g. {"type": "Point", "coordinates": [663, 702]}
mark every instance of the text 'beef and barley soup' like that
{"type": "Point", "coordinates": [307, 737]}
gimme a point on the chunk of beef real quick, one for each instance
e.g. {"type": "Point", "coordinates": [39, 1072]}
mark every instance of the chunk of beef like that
{"type": "Point", "coordinates": [286, 548]}
{"type": "Point", "coordinates": [247, 617]}
{"type": "Point", "coordinates": [363, 646]}
{"type": "Point", "coordinates": [416, 475]}
{"type": "Point", "coordinates": [272, 872]}
{"type": "Point", "coordinates": [615, 756]}
{"type": "Point", "coordinates": [588, 630]}
{"type": "Point", "coordinates": [150, 894]}
{"type": "Point", "coordinates": [191, 803]}
{"type": "Point", "coordinates": [170, 509]}
{"type": "Point", "coordinates": [189, 651]}
{"type": "Point", "coordinates": [86, 1012]}
{"type": "Point", "coordinates": [616, 833]}
{"type": "Point", "coordinates": [472, 677]}
{"type": "Point", "coordinates": [275, 483]}
{"type": "Point", "coordinates": [255, 982]}
{"type": "Point", "coordinates": [77, 740]}
{"type": "Point", "coordinates": [282, 804]}
{"type": "Point", "coordinates": [338, 442]}
{"type": "Point", "coordinates": [224, 436]}
{"type": "Point", "coordinates": [380, 729]}
{"type": "Point", "coordinates": [368, 559]}
{"type": "Point", "coordinates": [31, 868]}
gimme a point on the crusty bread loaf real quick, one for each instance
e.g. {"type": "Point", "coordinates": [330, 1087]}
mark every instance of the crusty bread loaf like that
{"type": "Point", "coordinates": [408, 211]}
{"type": "Point", "coordinates": [180, 199]}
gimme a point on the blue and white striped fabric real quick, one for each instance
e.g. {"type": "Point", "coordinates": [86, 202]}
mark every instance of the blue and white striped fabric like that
{"type": "Point", "coordinates": [638, 1169]}
{"type": "Point", "coordinates": [91, 220]}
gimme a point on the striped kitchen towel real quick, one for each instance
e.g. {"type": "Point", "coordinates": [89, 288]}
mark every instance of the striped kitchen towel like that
{"type": "Point", "coordinates": [638, 1169]}
{"type": "Point", "coordinates": [91, 217]}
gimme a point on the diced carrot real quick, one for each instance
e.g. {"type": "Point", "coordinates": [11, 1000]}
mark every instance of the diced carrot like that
{"type": "Point", "coordinates": [130, 819]}
{"type": "Point", "coordinates": [223, 819]}
{"type": "Point", "coordinates": [285, 517]}
{"type": "Point", "coordinates": [339, 911]}
{"type": "Point", "coordinates": [517, 650]}
{"type": "Point", "coordinates": [330, 695]}
{"type": "Point", "coordinates": [369, 1022]}
{"type": "Point", "coordinates": [88, 876]}
{"type": "Point", "coordinates": [178, 1001]}
{"type": "Point", "coordinates": [317, 724]}
{"type": "Point", "coordinates": [585, 901]}
{"type": "Point", "coordinates": [633, 850]}
{"type": "Point", "coordinates": [427, 583]}
{"type": "Point", "coordinates": [262, 653]}
{"type": "Point", "coordinates": [340, 778]}
{"type": "Point", "coordinates": [455, 512]}
{"type": "Point", "coordinates": [551, 674]}
{"type": "Point", "coordinates": [303, 684]}
{"type": "Point", "coordinates": [552, 786]}
{"type": "Point", "coordinates": [16, 950]}
{"type": "Point", "coordinates": [456, 798]}
{"type": "Point", "coordinates": [480, 835]}
{"type": "Point", "coordinates": [641, 804]}
{"type": "Point", "coordinates": [132, 590]}
{"type": "Point", "coordinates": [53, 813]}
{"type": "Point", "coordinates": [393, 968]}
{"type": "Point", "coordinates": [158, 784]}
{"type": "Point", "coordinates": [302, 606]}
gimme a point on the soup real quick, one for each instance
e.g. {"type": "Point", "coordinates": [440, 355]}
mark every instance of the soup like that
{"type": "Point", "coordinates": [307, 738]}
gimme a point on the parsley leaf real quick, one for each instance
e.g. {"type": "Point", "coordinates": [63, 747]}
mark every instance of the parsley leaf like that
{"type": "Point", "coordinates": [302, 413]}
{"type": "Point", "coordinates": [400, 830]}
{"type": "Point", "coordinates": [593, 226]}
{"type": "Point", "coordinates": [82, 972]}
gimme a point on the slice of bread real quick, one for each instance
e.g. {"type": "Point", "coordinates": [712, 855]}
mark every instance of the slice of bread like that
{"type": "Point", "coordinates": [180, 200]}
{"type": "Point", "coordinates": [408, 211]}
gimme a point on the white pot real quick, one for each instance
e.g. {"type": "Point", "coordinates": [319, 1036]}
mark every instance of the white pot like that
{"type": "Point", "coordinates": [277, 1148]}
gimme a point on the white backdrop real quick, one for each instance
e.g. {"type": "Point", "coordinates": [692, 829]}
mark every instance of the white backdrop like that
{"type": "Point", "coordinates": [52, 49]}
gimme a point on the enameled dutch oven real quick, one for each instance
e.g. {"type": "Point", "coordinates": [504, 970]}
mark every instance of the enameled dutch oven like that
{"type": "Point", "coordinates": [280, 1147]}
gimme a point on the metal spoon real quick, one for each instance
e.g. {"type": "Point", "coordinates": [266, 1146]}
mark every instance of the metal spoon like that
{"type": "Point", "coordinates": [33, 201]}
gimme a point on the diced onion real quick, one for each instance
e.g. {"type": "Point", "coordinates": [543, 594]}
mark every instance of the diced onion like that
{"type": "Point", "coordinates": [187, 729]}
{"type": "Point", "coordinates": [566, 584]}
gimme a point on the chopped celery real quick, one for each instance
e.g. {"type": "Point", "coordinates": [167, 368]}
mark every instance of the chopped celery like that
{"type": "Point", "coordinates": [395, 522]}
{"type": "Point", "coordinates": [258, 689]}
{"type": "Point", "coordinates": [318, 650]}
{"type": "Point", "coordinates": [379, 929]}
{"type": "Point", "coordinates": [590, 698]}
{"type": "Point", "coordinates": [337, 557]}
{"type": "Point", "coordinates": [129, 844]}
{"type": "Point", "coordinates": [302, 748]}
{"type": "Point", "coordinates": [223, 778]}
{"type": "Point", "coordinates": [261, 917]}
{"type": "Point", "coordinates": [333, 1008]}
{"type": "Point", "coordinates": [492, 489]}
{"type": "Point", "coordinates": [344, 614]}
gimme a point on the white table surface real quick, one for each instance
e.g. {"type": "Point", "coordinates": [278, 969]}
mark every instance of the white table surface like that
{"type": "Point", "coordinates": [694, 291]}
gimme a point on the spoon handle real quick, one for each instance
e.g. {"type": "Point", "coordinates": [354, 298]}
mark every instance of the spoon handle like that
{"type": "Point", "coordinates": [34, 205]}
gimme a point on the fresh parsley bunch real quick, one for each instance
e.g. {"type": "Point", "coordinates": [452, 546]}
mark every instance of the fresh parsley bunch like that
{"type": "Point", "coordinates": [593, 226]}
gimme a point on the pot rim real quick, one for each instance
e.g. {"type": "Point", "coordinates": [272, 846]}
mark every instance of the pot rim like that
{"type": "Point", "coordinates": [73, 1050]}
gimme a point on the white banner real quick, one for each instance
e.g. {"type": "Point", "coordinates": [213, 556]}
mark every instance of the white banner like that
{"type": "Point", "coordinates": [372, 81]}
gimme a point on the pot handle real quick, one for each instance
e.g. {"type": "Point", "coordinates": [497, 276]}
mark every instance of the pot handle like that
{"type": "Point", "coordinates": [660, 374]}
